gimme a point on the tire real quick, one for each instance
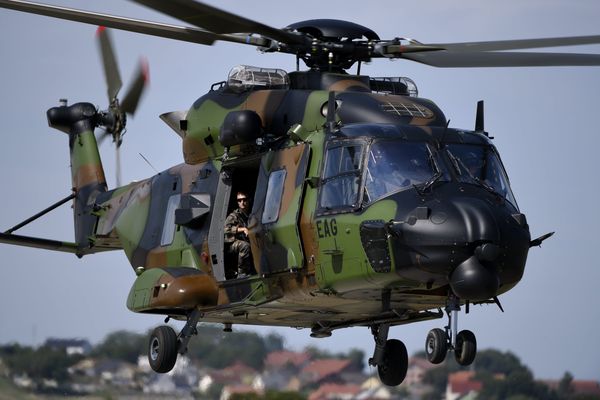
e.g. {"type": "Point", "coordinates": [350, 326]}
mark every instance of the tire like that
{"type": "Point", "coordinates": [466, 348]}
{"type": "Point", "coordinates": [162, 349]}
{"type": "Point", "coordinates": [436, 346]}
{"type": "Point", "coordinates": [392, 370]}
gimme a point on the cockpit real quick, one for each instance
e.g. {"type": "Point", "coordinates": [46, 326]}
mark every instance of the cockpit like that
{"type": "Point", "coordinates": [358, 171]}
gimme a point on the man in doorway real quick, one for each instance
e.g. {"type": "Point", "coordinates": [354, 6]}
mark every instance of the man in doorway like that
{"type": "Point", "coordinates": [237, 243]}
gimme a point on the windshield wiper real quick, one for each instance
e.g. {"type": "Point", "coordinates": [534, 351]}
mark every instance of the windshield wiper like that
{"type": "Point", "coordinates": [427, 185]}
{"type": "Point", "coordinates": [487, 186]}
{"type": "Point", "coordinates": [454, 162]}
{"type": "Point", "coordinates": [459, 165]}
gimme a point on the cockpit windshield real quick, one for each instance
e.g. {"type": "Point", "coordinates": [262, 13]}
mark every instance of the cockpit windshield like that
{"type": "Point", "coordinates": [482, 165]}
{"type": "Point", "coordinates": [396, 165]}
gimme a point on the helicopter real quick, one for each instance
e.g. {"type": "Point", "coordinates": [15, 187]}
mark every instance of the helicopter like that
{"type": "Point", "coordinates": [394, 264]}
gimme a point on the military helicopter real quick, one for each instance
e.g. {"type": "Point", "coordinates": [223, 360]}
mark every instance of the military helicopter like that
{"type": "Point", "coordinates": [369, 210]}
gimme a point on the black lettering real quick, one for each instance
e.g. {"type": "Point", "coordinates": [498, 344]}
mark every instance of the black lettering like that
{"type": "Point", "coordinates": [327, 228]}
{"type": "Point", "coordinates": [334, 227]}
{"type": "Point", "coordinates": [319, 232]}
{"type": "Point", "coordinates": [327, 232]}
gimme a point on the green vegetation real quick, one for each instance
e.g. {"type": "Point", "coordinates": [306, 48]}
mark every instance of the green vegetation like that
{"type": "Point", "coordinates": [504, 377]}
{"type": "Point", "coordinates": [38, 364]}
{"type": "Point", "coordinates": [122, 345]}
{"type": "Point", "coordinates": [213, 347]}
{"type": "Point", "coordinates": [217, 349]}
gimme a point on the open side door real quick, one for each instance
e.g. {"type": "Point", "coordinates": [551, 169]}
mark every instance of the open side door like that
{"type": "Point", "coordinates": [274, 234]}
{"type": "Point", "coordinates": [217, 225]}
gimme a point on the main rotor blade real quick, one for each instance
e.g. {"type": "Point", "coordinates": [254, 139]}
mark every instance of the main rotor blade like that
{"type": "Point", "coordinates": [519, 44]}
{"type": "Point", "coordinates": [446, 59]}
{"type": "Point", "coordinates": [127, 24]}
{"type": "Point", "coordinates": [217, 20]}
{"type": "Point", "coordinates": [109, 61]}
{"type": "Point", "coordinates": [132, 98]}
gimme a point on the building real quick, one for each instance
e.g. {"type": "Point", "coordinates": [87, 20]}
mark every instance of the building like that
{"type": "Point", "coordinates": [70, 346]}
{"type": "Point", "coordinates": [462, 384]}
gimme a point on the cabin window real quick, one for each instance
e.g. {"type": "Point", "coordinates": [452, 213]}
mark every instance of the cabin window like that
{"type": "Point", "coordinates": [274, 196]}
{"type": "Point", "coordinates": [168, 232]}
{"type": "Point", "coordinates": [341, 177]}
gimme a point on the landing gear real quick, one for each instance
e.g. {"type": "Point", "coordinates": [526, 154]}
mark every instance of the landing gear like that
{"type": "Point", "coordinates": [162, 350]}
{"type": "Point", "coordinates": [465, 349]}
{"type": "Point", "coordinates": [439, 341]}
{"type": "Point", "coordinates": [165, 344]}
{"type": "Point", "coordinates": [436, 346]}
{"type": "Point", "coordinates": [392, 369]}
{"type": "Point", "coordinates": [390, 356]}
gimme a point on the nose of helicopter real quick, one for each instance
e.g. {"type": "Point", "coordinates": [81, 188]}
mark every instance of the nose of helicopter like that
{"type": "Point", "coordinates": [474, 243]}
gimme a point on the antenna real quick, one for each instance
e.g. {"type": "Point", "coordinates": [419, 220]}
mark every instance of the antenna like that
{"type": "Point", "coordinates": [151, 166]}
{"type": "Point", "coordinates": [479, 123]}
{"type": "Point", "coordinates": [331, 106]}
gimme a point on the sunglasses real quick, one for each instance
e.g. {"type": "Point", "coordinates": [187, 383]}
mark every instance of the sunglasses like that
{"type": "Point", "coordinates": [240, 200]}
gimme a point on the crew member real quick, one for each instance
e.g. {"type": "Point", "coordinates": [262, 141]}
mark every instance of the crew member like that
{"type": "Point", "coordinates": [237, 243]}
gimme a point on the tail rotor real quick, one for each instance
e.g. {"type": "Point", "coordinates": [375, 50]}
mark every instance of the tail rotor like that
{"type": "Point", "coordinates": [114, 119]}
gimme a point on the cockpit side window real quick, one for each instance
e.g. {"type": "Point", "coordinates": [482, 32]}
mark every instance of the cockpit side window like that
{"type": "Point", "coordinates": [341, 177]}
{"type": "Point", "coordinates": [482, 164]}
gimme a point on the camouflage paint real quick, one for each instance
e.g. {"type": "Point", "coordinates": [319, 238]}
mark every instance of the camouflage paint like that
{"type": "Point", "coordinates": [312, 266]}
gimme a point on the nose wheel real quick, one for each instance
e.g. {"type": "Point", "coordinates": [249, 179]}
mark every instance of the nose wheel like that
{"type": "Point", "coordinates": [436, 346]}
{"type": "Point", "coordinates": [439, 341]}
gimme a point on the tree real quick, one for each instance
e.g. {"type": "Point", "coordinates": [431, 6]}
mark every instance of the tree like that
{"type": "Point", "coordinates": [122, 345]}
{"type": "Point", "coordinates": [496, 362]}
{"type": "Point", "coordinates": [517, 381]}
{"type": "Point", "coordinates": [565, 390]}
{"type": "Point", "coordinates": [41, 363]}
{"type": "Point", "coordinates": [438, 377]}
{"type": "Point", "coordinates": [274, 342]}
{"type": "Point", "coordinates": [217, 349]}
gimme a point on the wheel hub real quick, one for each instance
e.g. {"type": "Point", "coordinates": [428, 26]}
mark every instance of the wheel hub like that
{"type": "Point", "coordinates": [154, 349]}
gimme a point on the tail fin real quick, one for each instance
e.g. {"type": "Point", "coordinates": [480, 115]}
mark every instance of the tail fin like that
{"type": "Point", "coordinates": [87, 173]}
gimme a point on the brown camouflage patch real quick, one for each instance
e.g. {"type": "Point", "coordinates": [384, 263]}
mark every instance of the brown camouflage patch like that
{"type": "Point", "coordinates": [194, 151]}
{"type": "Point", "coordinates": [88, 174]}
{"type": "Point", "coordinates": [184, 292]}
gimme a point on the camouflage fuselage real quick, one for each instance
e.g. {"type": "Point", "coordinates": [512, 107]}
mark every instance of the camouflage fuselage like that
{"type": "Point", "coordinates": [316, 265]}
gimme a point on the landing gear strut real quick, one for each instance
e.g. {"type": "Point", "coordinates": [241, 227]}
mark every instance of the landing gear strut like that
{"type": "Point", "coordinates": [439, 341]}
{"type": "Point", "coordinates": [164, 343]}
{"type": "Point", "coordinates": [390, 356]}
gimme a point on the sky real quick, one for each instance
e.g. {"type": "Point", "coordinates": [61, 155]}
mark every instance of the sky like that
{"type": "Point", "coordinates": [544, 121]}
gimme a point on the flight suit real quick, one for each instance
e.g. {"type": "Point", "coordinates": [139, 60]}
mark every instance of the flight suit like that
{"type": "Point", "coordinates": [237, 244]}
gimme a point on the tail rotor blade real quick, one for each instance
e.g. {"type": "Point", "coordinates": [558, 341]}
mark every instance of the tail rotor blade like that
{"type": "Point", "coordinates": [135, 91]}
{"type": "Point", "coordinates": [109, 61]}
{"type": "Point", "coordinates": [118, 164]}
{"type": "Point", "coordinates": [100, 138]}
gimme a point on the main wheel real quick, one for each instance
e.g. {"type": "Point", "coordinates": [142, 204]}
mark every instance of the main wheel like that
{"type": "Point", "coordinates": [436, 346]}
{"type": "Point", "coordinates": [162, 349]}
{"type": "Point", "coordinates": [392, 370]}
{"type": "Point", "coordinates": [466, 347]}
